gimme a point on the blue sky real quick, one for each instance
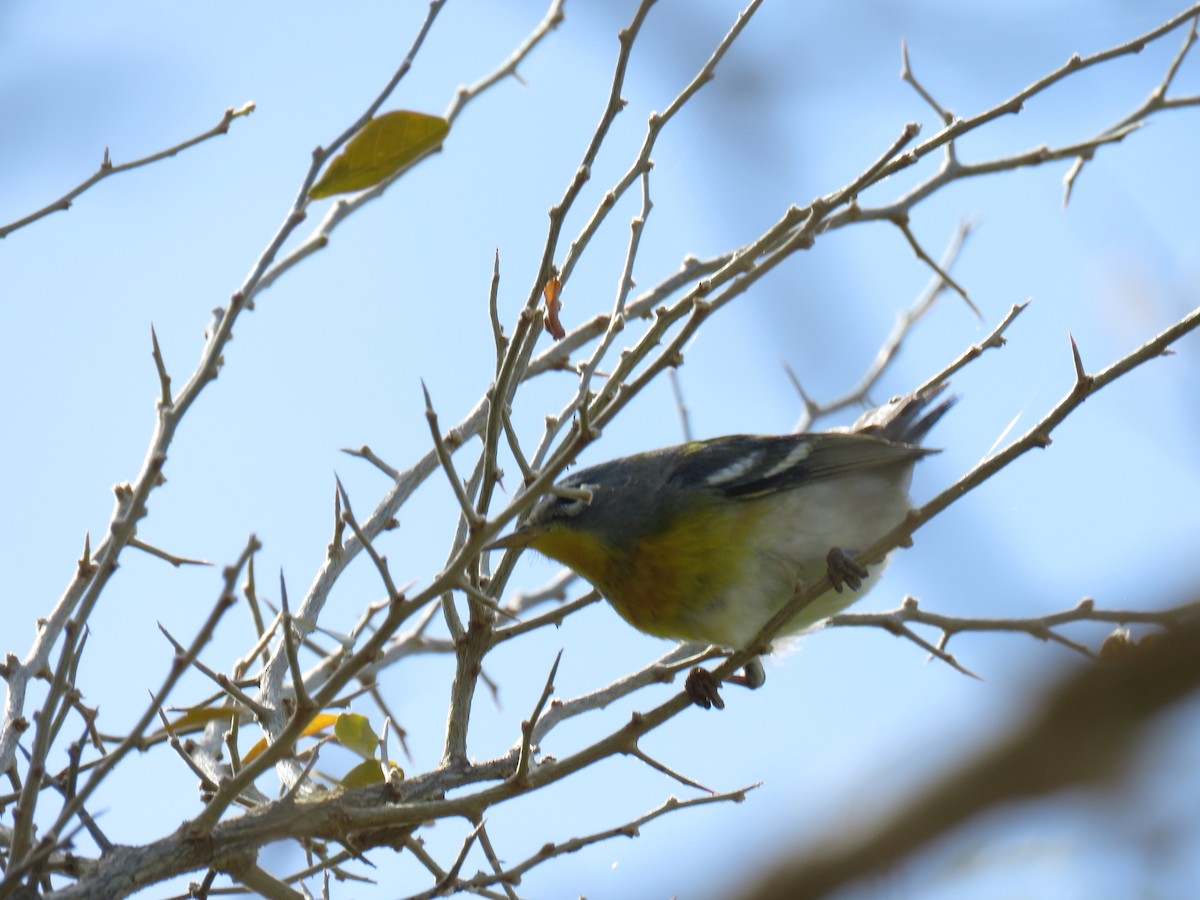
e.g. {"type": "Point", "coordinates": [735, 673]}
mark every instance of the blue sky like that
{"type": "Point", "coordinates": [334, 354]}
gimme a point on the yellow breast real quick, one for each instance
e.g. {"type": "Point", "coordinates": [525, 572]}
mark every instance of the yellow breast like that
{"type": "Point", "coordinates": [677, 583]}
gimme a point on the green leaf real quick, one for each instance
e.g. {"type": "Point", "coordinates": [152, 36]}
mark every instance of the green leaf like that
{"type": "Point", "coordinates": [366, 773]}
{"type": "Point", "coordinates": [369, 772]}
{"type": "Point", "coordinates": [384, 146]}
{"type": "Point", "coordinates": [354, 733]}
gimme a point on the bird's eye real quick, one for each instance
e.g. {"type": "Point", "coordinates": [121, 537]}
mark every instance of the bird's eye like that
{"type": "Point", "coordinates": [572, 500]}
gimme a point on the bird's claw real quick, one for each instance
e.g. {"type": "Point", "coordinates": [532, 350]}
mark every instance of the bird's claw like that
{"type": "Point", "coordinates": [702, 687]}
{"type": "Point", "coordinates": [844, 570]}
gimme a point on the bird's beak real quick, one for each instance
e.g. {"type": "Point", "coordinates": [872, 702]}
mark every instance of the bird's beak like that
{"type": "Point", "coordinates": [519, 539]}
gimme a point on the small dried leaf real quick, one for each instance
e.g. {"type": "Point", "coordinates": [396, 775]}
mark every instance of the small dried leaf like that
{"type": "Point", "coordinates": [553, 305]}
{"type": "Point", "coordinates": [384, 146]}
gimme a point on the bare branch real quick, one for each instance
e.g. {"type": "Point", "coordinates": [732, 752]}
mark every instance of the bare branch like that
{"type": "Point", "coordinates": [304, 704]}
{"type": "Point", "coordinates": [641, 164]}
{"type": "Point", "coordinates": [1079, 734]}
{"type": "Point", "coordinates": [107, 168]}
{"type": "Point", "coordinates": [553, 18]}
{"type": "Point", "coordinates": [902, 224]}
{"type": "Point", "coordinates": [890, 349]}
{"type": "Point", "coordinates": [164, 379]}
{"type": "Point", "coordinates": [993, 341]}
{"type": "Point", "coordinates": [174, 560]}
{"type": "Point", "coordinates": [906, 74]}
{"type": "Point", "coordinates": [380, 561]}
{"type": "Point", "coordinates": [554, 617]}
{"type": "Point", "coordinates": [365, 452]}
{"type": "Point", "coordinates": [659, 767]}
{"type": "Point", "coordinates": [181, 663]}
{"type": "Point", "coordinates": [525, 760]}
{"type": "Point", "coordinates": [342, 209]}
{"type": "Point", "coordinates": [631, 829]}
{"type": "Point", "coordinates": [1041, 627]}
{"type": "Point", "coordinates": [472, 518]}
{"type": "Point", "coordinates": [1036, 437]}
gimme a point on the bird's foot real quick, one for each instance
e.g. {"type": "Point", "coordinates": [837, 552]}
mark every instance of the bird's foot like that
{"type": "Point", "coordinates": [844, 570]}
{"type": "Point", "coordinates": [703, 688]}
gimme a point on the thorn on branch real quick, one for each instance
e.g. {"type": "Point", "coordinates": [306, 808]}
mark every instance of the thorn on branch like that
{"type": "Point", "coordinates": [637, 751]}
{"type": "Point", "coordinates": [176, 561]}
{"type": "Point", "coordinates": [365, 452]}
{"type": "Point", "coordinates": [339, 524]}
{"type": "Point", "coordinates": [380, 562]}
{"type": "Point", "coordinates": [87, 567]}
{"type": "Point", "coordinates": [473, 518]}
{"type": "Point", "coordinates": [906, 74]}
{"type": "Point", "coordinates": [1083, 381]}
{"type": "Point", "coordinates": [525, 761]}
{"type": "Point", "coordinates": [164, 379]}
{"type": "Point", "coordinates": [901, 222]}
{"type": "Point", "coordinates": [305, 706]}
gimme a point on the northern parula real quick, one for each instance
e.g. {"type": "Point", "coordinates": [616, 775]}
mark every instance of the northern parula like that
{"type": "Point", "coordinates": [705, 541]}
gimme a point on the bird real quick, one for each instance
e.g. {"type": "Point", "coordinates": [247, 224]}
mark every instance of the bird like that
{"type": "Point", "coordinates": [703, 542]}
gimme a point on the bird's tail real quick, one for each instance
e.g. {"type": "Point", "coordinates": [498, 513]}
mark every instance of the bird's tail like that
{"type": "Point", "coordinates": [905, 420]}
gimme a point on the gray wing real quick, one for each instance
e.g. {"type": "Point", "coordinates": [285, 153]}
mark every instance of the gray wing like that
{"type": "Point", "coordinates": [744, 466]}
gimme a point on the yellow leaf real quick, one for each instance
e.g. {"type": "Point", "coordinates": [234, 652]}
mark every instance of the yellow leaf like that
{"type": "Point", "coordinates": [199, 716]}
{"type": "Point", "coordinates": [320, 722]}
{"type": "Point", "coordinates": [384, 146]}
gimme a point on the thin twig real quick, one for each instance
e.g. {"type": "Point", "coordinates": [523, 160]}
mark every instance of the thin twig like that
{"type": "Point", "coordinates": [906, 321]}
{"type": "Point", "coordinates": [1081, 732]}
{"type": "Point", "coordinates": [365, 542]}
{"type": "Point", "coordinates": [221, 681]}
{"type": "Point", "coordinates": [525, 760]}
{"type": "Point", "coordinates": [994, 340]}
{"type": "Point", "coordinates": [906, 74]}
{"type": "Point", "coordinates": [180, 665]}
{"type": "Point", "coordinates": [903, 225]}
{"type": "Point", "coordinates": [176, 561]}
{"type": "Point", "coordinates": [630, 830]}
{"type": "Point", "coordinates": [304, 703]}
{"type": "Point", "coordinates": [365, 452]}
{"type": "Point", "coordinates": [655, 125]}
{"type": "Point", "coordinates": [657, 766]}
{"type": "Point", "coordinates": [107, 168]}
{"type": "Point", "coordinates": [553, 18]}
{"type": "Point", "coordinates": [1040, 627]}
{"type": "Point", "coordinates": [472, 517]}
{"type": "Point", "coordinates": [1153, 103]}
{"type": "Point", "coordinates": [164, 380]}
{"type": "Point", "coordinates": [1036, 438]}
